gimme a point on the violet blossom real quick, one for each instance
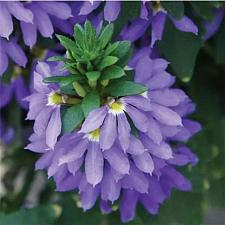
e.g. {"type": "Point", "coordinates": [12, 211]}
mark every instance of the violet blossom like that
{"type": "Point", "coordinates": [122, 150]}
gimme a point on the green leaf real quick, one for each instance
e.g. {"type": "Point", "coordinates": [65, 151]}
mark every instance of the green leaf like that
{"type": "Point", "coordinates": [57, 58]}
{"type": "Point", "coordinates": [79, 34]}
{"type": "Point", "coordinates": [112, 72]}
{"type": "Point", "coordinates": [44, 215]}
{"type": "Point", "coordinates": [107, 61]}
{"type": "Point", "coordinates": [93, 75]}
{"type": "Point", "coordinates": [110, 48]}
{"type": "Point", "coordinates": [90, 102]}
{"type": "Point", "coordinates": [204, 9]}
{"type": "Point", "coordinates": [124, 88]}
{"type": "Point", "coordinates": [181, 50]}
{"type": "Point", "coordinates": [63, 80]}
{"type": "Point", "coordinates": [67, 43]}
{"type": "Point", "coordinates": [106, 35]}
{"type": "Point", "coordinates": [122, 49]}
{"type": "Point", "coordinates": [175, 9]}
{"type": "Point", "coordinates": [219, 43]}
{"type": "Point", "coordinates": [68, 89]}
{"type": "Point", "coordinates": [71, 118]}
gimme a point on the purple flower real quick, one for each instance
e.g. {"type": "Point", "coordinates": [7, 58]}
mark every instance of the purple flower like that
{"type": "Point", "coordinates": [122, 151]}
{"type": "Point", "coordinates": [16, 87]}
{"type": "Point", "coordinates": [113, 120]}
{"type": "Point", "coordinates": [33, 16]}
{"type": "Point", "coordinates": [132, 162]}
{"type": "Point", "coordinates": [14, 51]}
{"type": "Point", "coordinates": [44, 106]}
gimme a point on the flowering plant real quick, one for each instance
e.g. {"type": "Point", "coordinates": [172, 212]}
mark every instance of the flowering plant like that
{"type": "Point", "coordinates": [111, 123]}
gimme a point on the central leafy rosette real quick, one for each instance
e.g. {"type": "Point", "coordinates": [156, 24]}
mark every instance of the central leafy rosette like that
{"type": "Point", "coordinates": [97, 74]}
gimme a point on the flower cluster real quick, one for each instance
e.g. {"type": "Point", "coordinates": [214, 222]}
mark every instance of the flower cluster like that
{"type": "Point", "coordinates": [106, 128]}
{"type": "Point", "coordinates": [32, 17]}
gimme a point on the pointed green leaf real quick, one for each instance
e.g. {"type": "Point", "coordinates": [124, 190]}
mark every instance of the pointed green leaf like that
{"type": "Point", "coordinates": [90, 102]}
{"type": "Point", "coordinates": [106, 35]}
{"type": "Point", "coordinates": [93, 75]}
{"type": "Point", "coordinates": [79, 34]}
{"type": "Point", "coordinates": [69, 45]}
{"type": "Point", "coordinates": [57, 58]}
{"type": "Point", "coordinates": [71, 118]}
{"type": "Point", "coordinates": [112, 72]}
{"type": "Point", "coordinates": [122, 49]}
{"type": "Point", "coordinates": [110, 48]}
{"type": "Point", "coordinates": [124, 88]}
{"type": "Point", "coordinates": [107, 61]}
{"type": "Point", "coordinates": [63, 80]}
{"type": "Point", "coordinates": [175, 46]}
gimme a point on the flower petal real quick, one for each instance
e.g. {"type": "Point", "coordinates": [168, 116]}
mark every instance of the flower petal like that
{"type": "Point", "coordinates": [3, 58]}
{"type": "Point", "coordinates": [43, 22]}
{"type": "Point", "coordinates": [138, 118]}
{"type": "Point", "coordinates": [29, 33]}
{"type": "Point", "coordinates": [162, 151]}
{"type": "Point", "coordinates": [160, 80]}
{"type": "Point", "coordinates": [54, 128]}
{"type": "Point", "coordinates": [94, 164]}
{"type": "Point", "coordinates": [42, 120]}
{"type": "Point", "coordinates": [185, 24]}
{"type": "Point", "coordinates": [135, 147]}
{"type": "Point", "coordinates": [88, 7]}
{"type": "Point", "coordinates": [108, 132]}
{"type": "Point", "coordinates": [123, 131]}
{"type": "Point", "coordinates": [16, 53]}
{"type": "Point", "coordinates": [18, 10]}
{"type": "Point", "coordinates": [70, 182]}
{"type": "Point", "coordinates": [128, 205]}
{"type": "Point", "coordinates": [111, 10]}
{"type": "Point", "coordinates": [59, 9]}
{"type": "Point", "coordinates": [158, 22]}
{"type": "Point", "coordinates": [166, 116]}
{"type": "Point", "coordinates": [138, 101]}
{"type": "Point", "coordinates": [110, 189]}
{"type": "Point", "coordinates": [74, 166]}
{"type": "Point", "coordinates": [135, 180]}
{"type": "Point", "coordinates": [143, 69]}
{"type": "Point", "coordinates": [154, 131]}
{"type": "Point", "coordinates": [6, 23]}
{"type": "Point", "coordinates": [75, 153]}
{"type": "Point", "coordinates": [144, 162]}
{"type": "Point", "coordinates": [117, 159]}
{"type": "Point", "coordinates": [94, 120]}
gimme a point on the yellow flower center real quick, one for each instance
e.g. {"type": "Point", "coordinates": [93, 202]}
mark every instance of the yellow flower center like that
{"type": "Point", "coordinates": [116, 108]}
{"type": "Point", "coordinates": [55, 99]}
{"type": "Point", "coordinates": [94, 135]}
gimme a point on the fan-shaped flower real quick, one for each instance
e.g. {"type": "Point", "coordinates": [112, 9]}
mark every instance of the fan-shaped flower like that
{"type": "Point", "coordinates": [110, 115]}
{"type": "Point", "coordinates": [44, 106]}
